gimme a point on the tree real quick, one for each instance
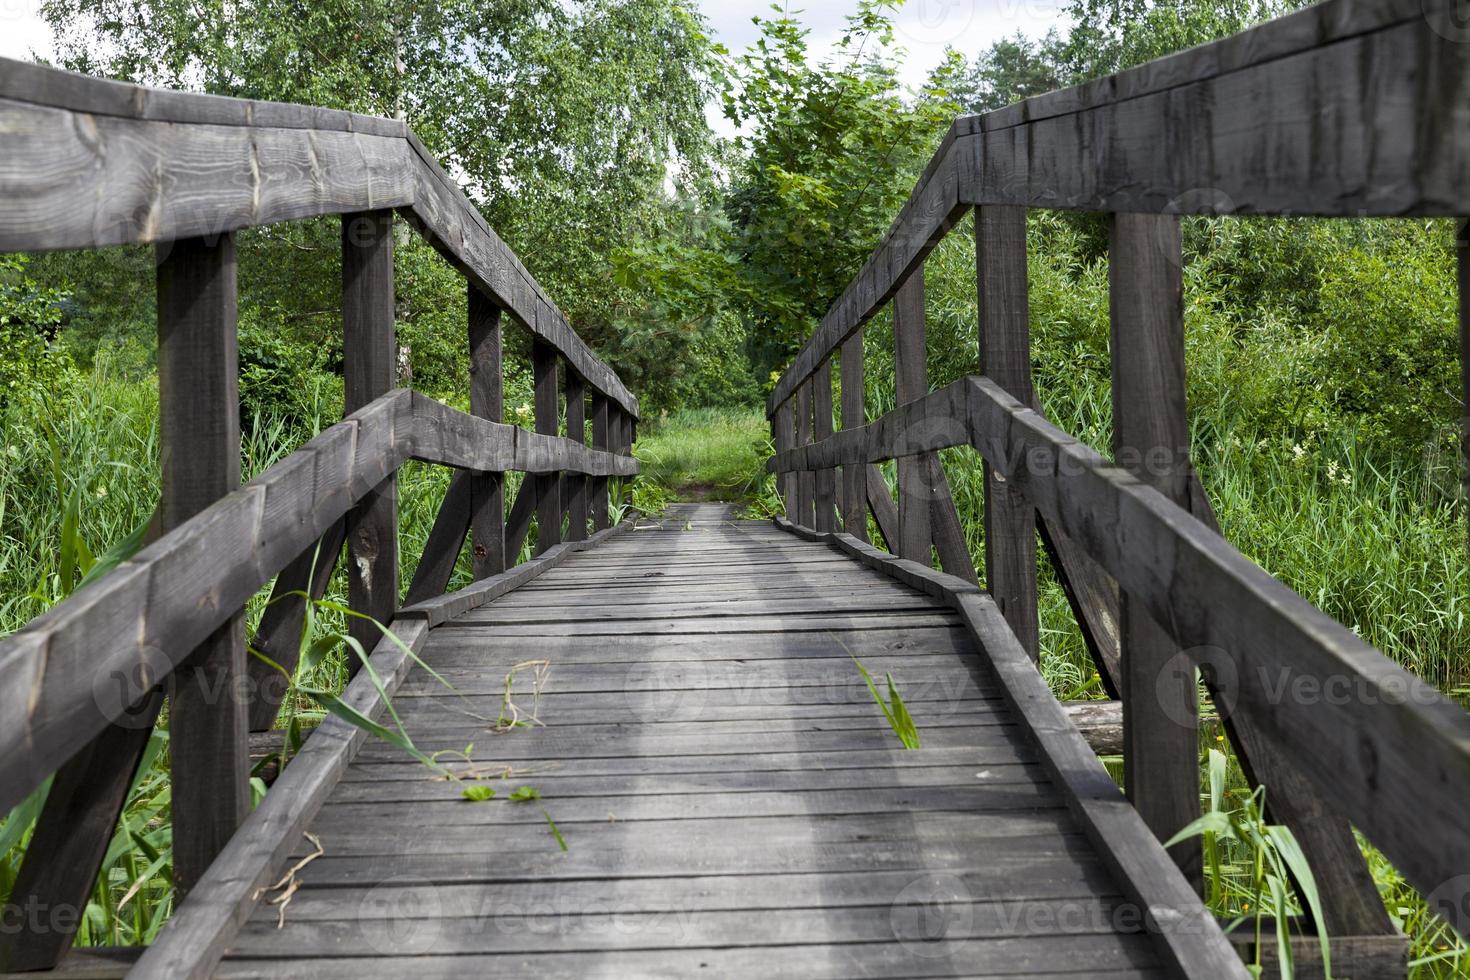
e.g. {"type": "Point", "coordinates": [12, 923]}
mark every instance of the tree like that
{"type": "Point", "coordinates": [1012, 69]}
{"type": "Point", "coordinates": [562, 120]}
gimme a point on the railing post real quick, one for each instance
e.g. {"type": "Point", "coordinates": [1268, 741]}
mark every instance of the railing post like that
{"type": "Point", "coordinates": [806, 480]}
{"type": "Point", "coordinates": [548, 411]}
{"type": "Point", "coordinates": [487, 490]}
{"type": "Point", "coordinates": [824, 480]}
{"type": "Point", "coordinates": [911, 382]}
{"type": "Point", "coordinates": [854, 416]}
{"type": "Point", "coordinates": [199, 440]}
{"type": "Point", "coordinates": [370, 356]}
{"type": "Point", "coordinates": [1151, 441]}
{"type": "Point", "coordinates": [597, 486]}
{"type": "Point", "coordinates": [576, 484]}
{"type": "Point", "coordinates": [784, 426]}
{"type": "Point", "coordinates": [1005, 357]}
{"type": "Point", "coordinates": [1462, 251]}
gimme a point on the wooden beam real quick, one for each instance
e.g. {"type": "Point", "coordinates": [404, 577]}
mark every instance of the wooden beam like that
{"type": "Point", "coordinates": [278, 637]}
{"type": "Point", "coordinates": [1323, 698]}
{"type": "Point", "coordinates": [548, 421]}
{"type": "Point", "coordinates": [370, 360]}
{"type": "Point", "coordinates": [1151, 441]}
{"type": "Point", "coordinates": [199, 446]}
{"type": "Point", "coordinates": [806, 481]}
{"type": "Point", "coordinates": [824, 495]}
{"type": "Point", "coordinates": [911, 379]}
{"type": "Point", "coordinates": [1462, 253]}
{"type": "Point", "coordinates": [487, 488]}
{"type": "Point", "coordinates": [574, 486]}
{"type": "Point", "coordinates": [446, 540]}
{"type": "Point", "coordinates": [854, 416]}
{"type": "Point", "coordinates": [597, 486]}
{"type": "Point", "coordinates": [1005, 357]}
{"type": "Point", "coordinates": [784, 423]}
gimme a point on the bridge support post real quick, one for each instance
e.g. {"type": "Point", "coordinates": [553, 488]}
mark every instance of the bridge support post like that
{"type": "Point", "coordinates": [199, 437]}
{"type": "Point", "coordinates": [1151, 441]}
{"type": "Point", "coordinates": [825, 480]}
{"type": "Point", "coordinates": [806, 480]}
{"type": "Point", "coordinates": [784, 438]}
{"type": "Point", "coordinates": [1005, 357]}
{"type": "Point", "coordinates": [487, 490]}
{"type": "Point", "coordinates": [1462, 253]}
{"type": "Point", "coordinates": [911, 382]}
{"type": "Point", "coordinates": [370, 365]}
{"type": "Point", "coordinates": [854, 416]}
{"type": "Point", "coordinates": [548, 411]}
{"type": "Point", "coordinates": [575, 485]}
{"type": "Point", "coordinates": [597, 485]}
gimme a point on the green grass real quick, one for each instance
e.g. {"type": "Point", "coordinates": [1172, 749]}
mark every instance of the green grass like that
{"type": "Point", "coordinates": [707, 453]}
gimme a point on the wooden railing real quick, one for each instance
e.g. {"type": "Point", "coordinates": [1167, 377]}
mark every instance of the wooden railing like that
{"type": "Point", "coordinates": [1345, 109]}
{"type": "Point", "coordinates": [87, 163]}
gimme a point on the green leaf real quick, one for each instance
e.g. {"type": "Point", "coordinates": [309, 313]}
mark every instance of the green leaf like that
{"type": "Point", "coordinates": [1210, 823]}
{"type": "Point", "coordinates": [1291, 852]}
{"type": "Point", "coordinates": [525, 793]}
{"type": "Point", "coordinates": [560, 841]}
{"type": "Point", "coordinates": [478, 792]}
{"type": "Point", "coordinates": [117, 554]}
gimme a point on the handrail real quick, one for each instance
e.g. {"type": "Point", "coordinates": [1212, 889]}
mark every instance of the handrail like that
{"type": "Point", "coordinates": [91, 162]}
{"type": "Point", "coordinates": [88, 163]}
{"type": "Point", "coordinates": [1342, 109]}
{"type": "Point", "coordinates": [1322, 112]}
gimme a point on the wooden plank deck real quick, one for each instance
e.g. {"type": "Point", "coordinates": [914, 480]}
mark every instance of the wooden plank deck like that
{"type": "Point", "coordinates": [732, 800]}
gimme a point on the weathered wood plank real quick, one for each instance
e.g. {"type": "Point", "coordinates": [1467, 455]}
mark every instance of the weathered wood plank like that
{"type": "Point", "coordinates": [487, 488]}
{"type": "Point", "coordinates": [1187, 938]}
{"type": "Point", "coordinates": [574, 487]}
{"type": "Point", "coordinates": [597, 485]}
{"type": "Point", "coordinates": [1005, 357]}
{"type": "Point", "coordinates": [278, 636]}
{"type": "Point", "coordinates": [911, 381]}
{"type": "Point", "coordinates": [806, 485]}
{"type": "Point", "coordinates": [370, 360]}
{"type": "Point", "coordinates": [199, 447]}
{"type": "Point", "coordinates": [854, 416]}
{"type": "Point", "coordinates": [1151, 441]}
{"type": "Point", "coordinates": [446, 540]}
{"type": "Point", "coordinates": [1273, 645]}
{"type": "Point", "coordinates": [548, 420]}
{"type": "Point", "coordinates": [198, 932]}
{"type": "Point", "coordinates": [825, 481]}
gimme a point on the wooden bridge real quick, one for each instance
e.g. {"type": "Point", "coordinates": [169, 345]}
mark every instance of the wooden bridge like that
{"type": "Point", "coordinates": [720, 794]}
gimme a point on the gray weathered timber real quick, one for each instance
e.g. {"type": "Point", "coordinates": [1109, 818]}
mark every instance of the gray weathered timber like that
{"type": "Point", "coordinates": [1188, 938]}
{"type": "Point", "coordinates": [933, 421]}
{"type": "Point", "coordinates": [1214, 129]}
{"type": "Point", "coordinates": [825, 483]}
{"type": "Point", "coordinates": [547, 397]}
{"type": "Point", "coordinates": [278, 636]}
{"type": "Point", "coordinates": [487, 487]}
{"type": "Point", "coordinates": [1151, 441]}
{"type": "Point", "coordinates": [1462, 255]}
{"type": "Point", "coordinates": [597, 485]}
{"type": "Point", "coordinates": [93, 163]}
{"type": "Point", "coordinates": [199, 447]}
{"type": "Point", "coordinates": [784, 439]}
{"type": "Point", "coordinates": [854, 416]}
{"type": "Point", "coordinates": [806, 486]}
{"type": "Point", "coordinates": [882, 507]}
{"type": "Point", "coordinates": [944, 523]}
{"type": "Point", "coordinates": [911, 382]}
{"type": "Point", "coordinates": [140, 621]}
{"type": "Point", "coordinates": [446, 540]}
{"type": "Point", "coordinates": [1005, 357]}
{"type": "Point", "coordinates": [574, 487]}
{"type": "Point", "coordinates": [763, 823]}
{"type": "Point", "coordinates": [195, 937]}
{"type": "Point", "coordinates": [1274, 653]}
{"type": "Point", "coordinates": [369, 370]}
